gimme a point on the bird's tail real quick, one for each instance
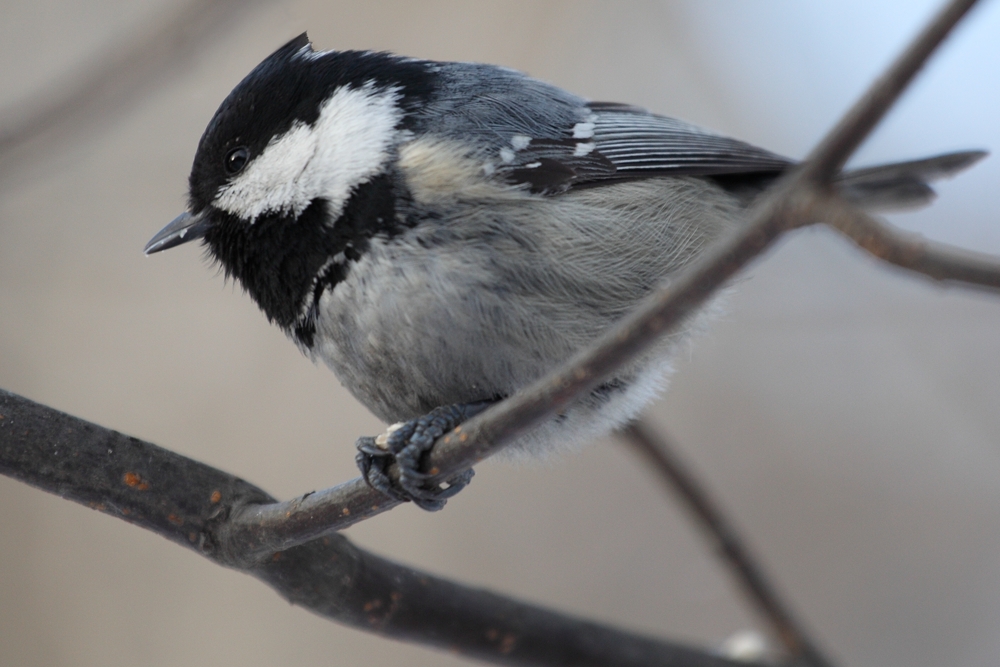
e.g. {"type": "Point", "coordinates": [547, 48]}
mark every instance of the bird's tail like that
{"type": "Point", "coordinates": [902, 185]}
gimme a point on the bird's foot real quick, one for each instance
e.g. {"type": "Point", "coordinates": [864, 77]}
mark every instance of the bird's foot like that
{"type": "Point", "coordinates": [407, 444]}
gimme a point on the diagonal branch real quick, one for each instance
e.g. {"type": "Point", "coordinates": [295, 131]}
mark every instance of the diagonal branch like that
{"type": "Point", "coordinates": [677, 478]}
{"type": "Point", "coordinates": [184, 501]}
{"type": "Point", "coordinates": [832, 153]}
{"type": "Point", "coordinates": [791, 203]}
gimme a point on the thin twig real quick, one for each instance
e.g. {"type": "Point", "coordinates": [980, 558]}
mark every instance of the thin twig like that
{"type": "Point", "coordinates": [790, 203]}
{"type": "Point", "coordinates": [184, 500]}
{"type": "Point", "coordinates": [657, 449]}
{"type": "Point", "coordinates": [100, 90]}
{"type": "Point", "coordinates": [913, 252]}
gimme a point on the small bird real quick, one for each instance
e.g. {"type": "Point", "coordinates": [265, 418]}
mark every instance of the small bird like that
{"type": "Point", "coordinates": [442, 234]}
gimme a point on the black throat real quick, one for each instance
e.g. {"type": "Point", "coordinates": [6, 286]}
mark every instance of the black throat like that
{"type": "Point", "coordinates": [286, 263]}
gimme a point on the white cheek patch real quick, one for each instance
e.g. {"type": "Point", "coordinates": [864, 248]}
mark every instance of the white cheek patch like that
{"type": "Point", "coordinates": [347, 145]}
{"type": "Point", "coordinates": [271, 182]}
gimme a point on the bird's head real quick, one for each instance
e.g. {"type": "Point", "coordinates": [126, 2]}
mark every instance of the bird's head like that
{"type": "Point", "coordinates": [282, 157]}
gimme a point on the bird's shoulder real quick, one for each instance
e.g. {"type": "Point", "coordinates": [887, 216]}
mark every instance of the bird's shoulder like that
{"type": "Point", "coordinates": [531, 133]}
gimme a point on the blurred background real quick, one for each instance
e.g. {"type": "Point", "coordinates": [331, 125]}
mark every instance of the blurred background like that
{"type": "Point", "coordinates": [845, 413]}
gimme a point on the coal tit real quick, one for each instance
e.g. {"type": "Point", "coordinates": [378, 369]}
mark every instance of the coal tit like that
{"type": "Point", "coordinates": [442, 234]}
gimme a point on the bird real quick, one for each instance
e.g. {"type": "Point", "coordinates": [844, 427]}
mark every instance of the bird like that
{"type": "Point", "coordinates": [441, 234]}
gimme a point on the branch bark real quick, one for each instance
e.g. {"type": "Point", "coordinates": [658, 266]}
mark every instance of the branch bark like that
{"type": "Point", "coordinates": [187, 502]}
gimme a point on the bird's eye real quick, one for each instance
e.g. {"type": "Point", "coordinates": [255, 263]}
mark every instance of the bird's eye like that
{"type": "Point", "coordinates": [236, 159]}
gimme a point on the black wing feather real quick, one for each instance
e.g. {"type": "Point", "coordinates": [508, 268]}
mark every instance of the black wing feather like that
{"type": "Point", "coordinates": [619, 142]}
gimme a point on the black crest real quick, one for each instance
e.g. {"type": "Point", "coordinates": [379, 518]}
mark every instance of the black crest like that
{"type": "Point", "coordinates": [290, 86]}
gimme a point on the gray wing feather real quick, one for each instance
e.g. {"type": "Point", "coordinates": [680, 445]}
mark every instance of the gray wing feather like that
{"type": "Point", "coordinates": [616, 142]}
{"type": "Point", "coordinates": [638, 142]}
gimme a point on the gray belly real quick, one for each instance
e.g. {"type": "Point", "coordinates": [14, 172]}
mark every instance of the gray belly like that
{"type": "Point", "coordinates": [477, 305]}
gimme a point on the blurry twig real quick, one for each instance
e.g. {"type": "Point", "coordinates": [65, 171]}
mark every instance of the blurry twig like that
{"type": "Point", "coordinates": [657, 449]}
{"type": "Point", "coordinates": [98, 91]}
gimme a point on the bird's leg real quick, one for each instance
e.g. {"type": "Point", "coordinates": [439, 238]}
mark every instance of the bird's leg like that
{"type": "Point", "coordinates": [408, 444]}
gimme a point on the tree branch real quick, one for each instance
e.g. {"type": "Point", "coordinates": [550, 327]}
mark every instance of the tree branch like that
{"type": "Point", "coordinates": [187, 501]}
{"type": "Point", "coordinates": [238, 525]}
{"type": "Point", "coordinates": [677, 478]}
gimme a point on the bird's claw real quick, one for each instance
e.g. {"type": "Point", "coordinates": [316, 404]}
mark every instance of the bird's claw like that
{"type": "Point", "coordinates": [407, 445]}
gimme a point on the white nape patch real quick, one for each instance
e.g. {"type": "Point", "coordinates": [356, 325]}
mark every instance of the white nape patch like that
{"type": "Point", "coordinates": [584, 149]}
{"type": "Point", "coordinates": [583, 130]}
{"type": "Point", "coordinates": [520, 142]}
{"type": "Point", "coordinates": [489, 168]}
{"type": "Point", "coordinates": [347, 145]}
{"type": "Point", "coordinates": [506, 155]}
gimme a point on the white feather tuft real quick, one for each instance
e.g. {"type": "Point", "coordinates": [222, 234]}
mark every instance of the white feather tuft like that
{"type": "Point", "coordinates": [583, 130]}
{"type": "Point", "coordinates": [520, 141]}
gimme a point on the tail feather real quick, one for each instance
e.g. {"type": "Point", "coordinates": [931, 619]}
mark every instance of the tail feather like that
{"type": "Point", "coordinates": [903, 185]}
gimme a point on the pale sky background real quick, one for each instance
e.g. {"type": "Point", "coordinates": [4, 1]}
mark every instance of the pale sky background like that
{"type": "Point", "coordinates": [844, 412]}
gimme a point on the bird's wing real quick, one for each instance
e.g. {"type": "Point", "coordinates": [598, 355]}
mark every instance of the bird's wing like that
{"type": "Point", "coordinates": [618, 142]}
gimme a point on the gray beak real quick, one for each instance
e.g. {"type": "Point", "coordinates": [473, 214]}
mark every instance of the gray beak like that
{"type": "Point", "coordinates": [183, 228]}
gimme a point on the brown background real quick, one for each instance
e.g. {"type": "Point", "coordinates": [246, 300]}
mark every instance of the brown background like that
{"type": "Point", "coordinates": [845, 413]}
